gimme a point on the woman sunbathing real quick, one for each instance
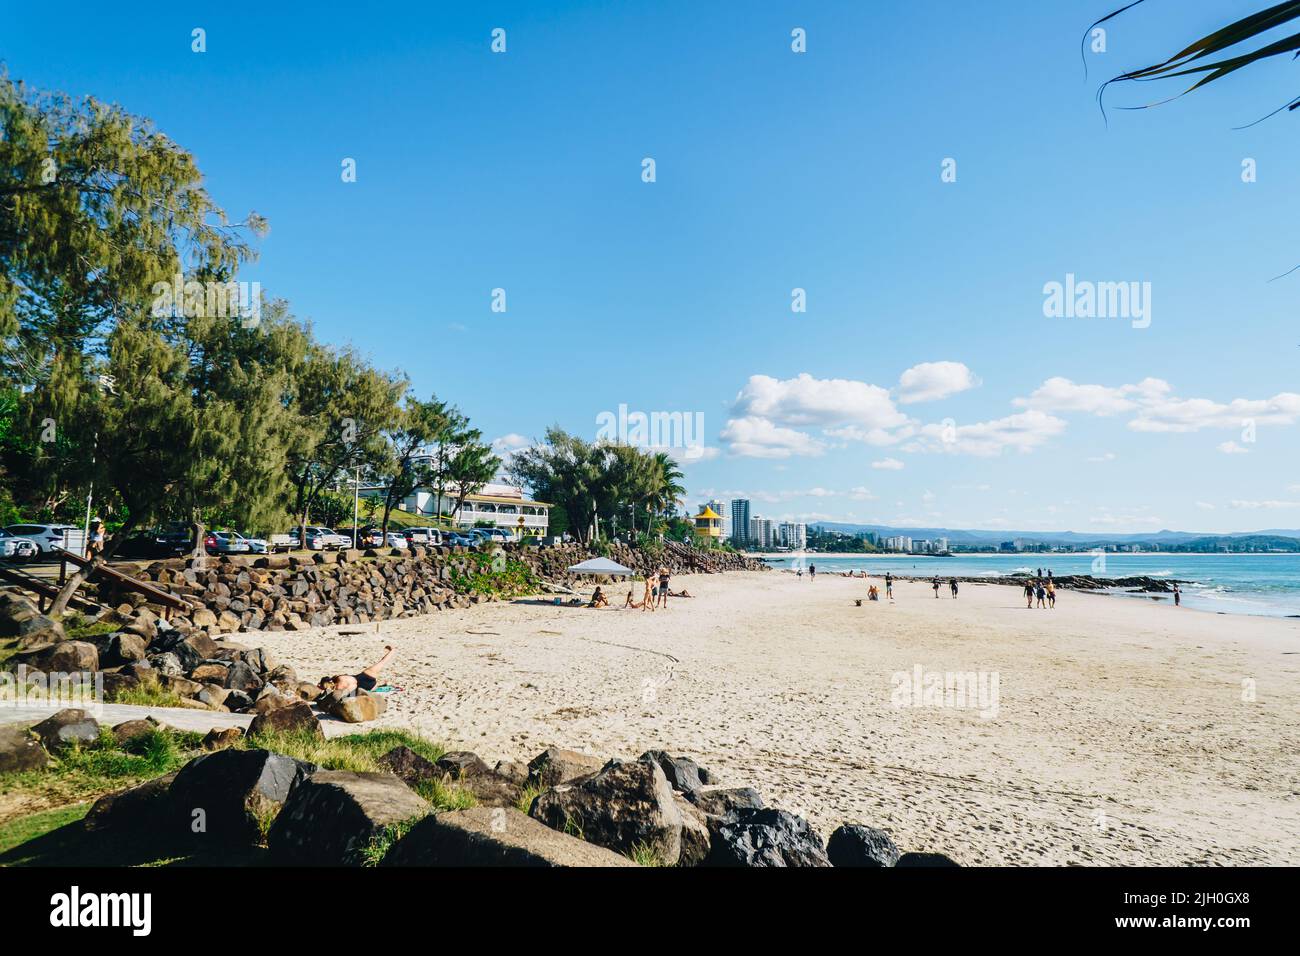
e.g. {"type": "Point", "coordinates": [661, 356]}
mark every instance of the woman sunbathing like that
{"type": "Point", "coordinates": [598, 599]}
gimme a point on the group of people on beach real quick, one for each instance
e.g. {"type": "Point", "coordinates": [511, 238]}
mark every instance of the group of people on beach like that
{"type": "Point", "coordinates": [1040, 589]}
{"type": "Point", "coordinates": [656, 594]}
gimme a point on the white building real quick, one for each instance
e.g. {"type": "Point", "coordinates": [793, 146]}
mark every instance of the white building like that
{"type": "Point", "coordinates": [762, 532]}
{"type": "Point", "coordinates": [499, 505]}
{"type": "Point", "coordinates": [793, 535]}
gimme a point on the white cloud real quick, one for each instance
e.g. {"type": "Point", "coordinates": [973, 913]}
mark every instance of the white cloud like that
{"type": "Point", "coordinates": [1253, 505]}
{"type": "Point", "coordinates": [509, 443]}
{"type": "Point", "coordinates": [1105, 456]}
{"type": "Point", "coordinates": [888, 464]}
{"type": "Point", "coordinates": [1205, 506]}
{"type": "Point", "coordinates": [861, 494]}
{"type": "Point", "coordinates": [1023, 432]}
{"type": "Point", "coordinates": [1232, 448]}
{"type": "Point", "coordinates": [931, 381]}
{"type": "Point", "coordinates": [1193, 414]}
{"type": "Point", "coordinates": [756, 437]}
{"type": "Point", "coordinates": [805, 400]}
{"type": "Point", "coordinates": [1059, 394]}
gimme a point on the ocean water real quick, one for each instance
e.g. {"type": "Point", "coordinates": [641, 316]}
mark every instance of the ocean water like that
{"type": "Point", "coordinates": [1267, 584]}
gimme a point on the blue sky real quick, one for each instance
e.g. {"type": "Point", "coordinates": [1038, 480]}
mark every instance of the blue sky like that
{"type": "Point", "coordinates": [774, 171]}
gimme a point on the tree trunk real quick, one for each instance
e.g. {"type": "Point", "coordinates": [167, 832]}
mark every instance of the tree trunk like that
{"type": "Point", "coordinates": [79, 576]}
{"type": "Point", "coordinates": [199, 532]}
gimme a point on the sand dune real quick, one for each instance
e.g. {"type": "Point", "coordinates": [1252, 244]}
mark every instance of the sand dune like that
{"type": "Point", "coordinates": [1123, 732]}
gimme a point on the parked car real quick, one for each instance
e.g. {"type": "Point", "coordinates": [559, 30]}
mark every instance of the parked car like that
{"type": "Point", "coordinates": [165, 542]}
{"type": "Point", "coordinates": [497, 535]}
{"type": "Point", "coordinates": [225, 542]}
{"type": "Point", "coordinates": [255, 545]}
{"type": "Point", "coordinates": [427, 537]}
{"type": "Point", "coordinates": [456, 538]}
{"type": "Point", "coordinates": [335, 541]}
{"type": "Point", "coordinates": [397, 540]}
{"type": "Point", "coordinates": [283, 542]}
{"type": "Point", "coordinates": [46, 537]}
{"type": "Point", "coordinates": [313, 540]}
{"type": "Point", "coordinates": [14, 548]}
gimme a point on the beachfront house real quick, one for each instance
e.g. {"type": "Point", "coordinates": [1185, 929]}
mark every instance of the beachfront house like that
{"type": "Point", "coordinates": [494, 505]}
{"type": "Point", "coordinates": [708, 526]}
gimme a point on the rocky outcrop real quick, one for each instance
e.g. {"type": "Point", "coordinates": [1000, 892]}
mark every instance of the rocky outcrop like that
{"type": "Point", "coordinates": [136, 810]}
{"type": "Point", "coordinates": [294, 717]}
{"type": "Point", "coordinates": [483, 836]}
{"type": "Point", "coordinates": [855, 845]}
{"type": "Point", "coordinates": [235, 593]}
{"type": "Point", "coordinates": [230, 795]}
{"type": "Point", "coordinates": [926, 859]}
{"type": "Point", "coordinates": [65, 728]}
{"type": "Point", "coordinates": [767, 837]}
{"type": "Point", "coordinates": [332, 817]}
{"type": "Point", "coordinates": [20, 751]}
{"type": "Point", "coordinates": [625, 807]}
{"type": "Point", "coordinates": [19, 618]}
{"type": "Point", "coordinates": [554, 766]}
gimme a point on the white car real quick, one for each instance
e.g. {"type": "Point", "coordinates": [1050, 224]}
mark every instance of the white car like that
{"type": "Point", "coordinates": [334, 540]}
{"type": "Point", "coordinates": [46, 537]}
{"type": "Point", "coordinates": [14, 548]}
{"type": "Point", "coordinates": [255, 545]}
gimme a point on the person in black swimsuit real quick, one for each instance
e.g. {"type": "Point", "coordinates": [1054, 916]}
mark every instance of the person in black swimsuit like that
{"type": "Point", "coordinates": [368, 679]}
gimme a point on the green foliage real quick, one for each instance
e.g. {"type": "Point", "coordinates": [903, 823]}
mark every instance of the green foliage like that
{"type": "Point", "coordinates": [644, 855]}
{"type": "Point", "coordinates": [495, 574]}
{"type": "Point", "coordinates": [378, 848]}
{"type": "Point", "coordinates": [530, 793]}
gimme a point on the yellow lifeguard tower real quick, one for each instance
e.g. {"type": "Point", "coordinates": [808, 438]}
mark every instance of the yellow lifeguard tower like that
{"type": "Point", "coordinates": [708, 526]}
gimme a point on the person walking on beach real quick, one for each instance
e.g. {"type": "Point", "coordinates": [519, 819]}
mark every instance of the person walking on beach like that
{"type": "Point", "coordinates": [648, 598]}
{"type": "Point", "coordinates": [889, 585]}
{"type": "Point", "coordinates": [1178, 596]}
{"type": "Point", "coordinates": [663, 587]}
{"type": "Point", "coordinates": [1051, 593]}
{"type": "Point", "coordinates": [812, 572]}
{"type": "Point", "coordinates": [1042, 595]}
{"type": "Point", "coordinates": [936, 587]}
{"type": "Point", "coordinates": [1029, 594]}
{"type": "Point", "coordinates": [952, 583]}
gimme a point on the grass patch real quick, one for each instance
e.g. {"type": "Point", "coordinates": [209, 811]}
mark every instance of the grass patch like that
{"type": "Point", "coordinates": [25, 829]}
{"type": "Point", "coordinates": [643, 855]}
{"type": "Point", "coordinates": [530, 793]}
{"type": "Point", "coordinates": [78, 627]}
{"type": "Point", "coordinates": [84, 771]}
{"type": "Point", "coordinates": [358, 753]}
{"type": "Point", "coordinates": [445, 796]}
{"type": "Point", "coordinates": [378, 848]}
{"type": "Point", "coordinates": [147, 693]}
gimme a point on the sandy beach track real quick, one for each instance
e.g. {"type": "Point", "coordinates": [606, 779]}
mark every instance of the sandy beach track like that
{"type": "Point", "coordinates": [1124, 732]}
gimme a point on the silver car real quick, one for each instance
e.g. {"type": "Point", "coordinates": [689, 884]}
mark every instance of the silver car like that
{"type": "Point", "coordinates": [14, 548]}
{"type": "Point", "coordinates": [46, 537]}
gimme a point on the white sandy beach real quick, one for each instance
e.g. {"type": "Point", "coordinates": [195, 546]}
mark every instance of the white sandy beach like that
{"type": "Point", "coordinates": [1121, 734]}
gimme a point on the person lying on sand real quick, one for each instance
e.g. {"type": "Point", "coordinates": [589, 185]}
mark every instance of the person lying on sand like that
{"type": "Point", "coordinates": [368, 679]}
{"type": "Point", "coordinates": [598, 599]}
{"type": "Point", "coordinates": [629, 602]}
{"type": "Point", "coordinates": [682, 593]}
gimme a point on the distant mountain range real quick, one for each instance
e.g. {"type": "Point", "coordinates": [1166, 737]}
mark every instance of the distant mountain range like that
{"type": "Point", "coordinates": [1072, 538]}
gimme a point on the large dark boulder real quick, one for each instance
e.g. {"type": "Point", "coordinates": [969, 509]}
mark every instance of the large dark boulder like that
{"type": "Point", "coordinates": [136, 809]}
{"type": "Point", "coordinates": [237, 792]}
{"type": "Point", "coordinates": [683, 773]}
{"type": "Point", "coordinates": [296, 717]}
{"type": "Point", "coordinates": [854, 844]}
{"type": "Point", "coordinates": [767, 837]}
{"type": "Point", "coordinates": [461, 764]}
{"type": "Point", "coordinates": [554, 766]}
{"type": "Point", "coordinates": [408, 766]}
{"type": "Point", "coordinates": [20, 751]}
{"type": "Point", "coordinates": [331, 818]}
{"type": "Point", "coordinates": [485, 836]}
{"type": "Point", "coordinates": [68, 726]}
{"type": "Point", "coordinates": [622, 807]}
{"type": "Point", "coordinates": [724, 803]}
{"type": "Point", "coordinates": [355, 709]}
{"type": "Point", "coordinates": [926, 859]}
{"type": "Point", "coordinates": [244, 678]}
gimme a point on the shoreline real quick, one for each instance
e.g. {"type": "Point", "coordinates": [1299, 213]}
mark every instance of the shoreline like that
{"type": "Point", "coordinates": [1107, 711]}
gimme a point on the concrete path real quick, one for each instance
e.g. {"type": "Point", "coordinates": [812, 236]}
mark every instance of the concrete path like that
{"type": "Point", "coordinates": [178, 718]}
